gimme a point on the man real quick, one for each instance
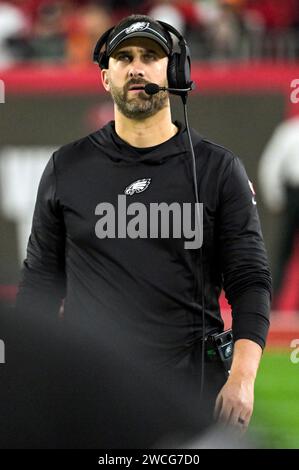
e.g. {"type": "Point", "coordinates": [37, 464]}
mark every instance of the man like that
{"type": "Point", "coordinates": [120, 273]}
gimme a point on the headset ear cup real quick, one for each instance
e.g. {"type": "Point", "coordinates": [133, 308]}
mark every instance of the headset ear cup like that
{"type": "Point", "coordinates": [187, 66]}
{"type": "Point", "coordinates": [178, 74]}
{"type": "Point", "coordinates": [172, 71]}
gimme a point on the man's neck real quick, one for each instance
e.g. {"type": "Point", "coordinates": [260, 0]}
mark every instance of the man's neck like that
{"type": "Point", "coordinates": [151, 131]}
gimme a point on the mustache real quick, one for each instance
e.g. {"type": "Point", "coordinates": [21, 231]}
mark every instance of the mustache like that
{"type": "Point", "coordinates": [135, 82]}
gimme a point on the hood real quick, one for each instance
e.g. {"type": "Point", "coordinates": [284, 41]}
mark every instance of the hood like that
{"type": "Point", "coordinates": [121, 152]}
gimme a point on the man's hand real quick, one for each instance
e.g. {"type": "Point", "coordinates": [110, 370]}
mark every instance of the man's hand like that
{"type": "Point", "coordinates": [234, 404]}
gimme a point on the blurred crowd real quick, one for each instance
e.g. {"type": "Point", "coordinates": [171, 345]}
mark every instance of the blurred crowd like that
{"type": "Point", "coordinates": [65, 31]}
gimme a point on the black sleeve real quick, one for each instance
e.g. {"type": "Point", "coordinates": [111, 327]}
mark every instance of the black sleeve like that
{"type": "Point", "coordinates": [244, 264]}
{"type": "Point", "coordinates": [42, 285]}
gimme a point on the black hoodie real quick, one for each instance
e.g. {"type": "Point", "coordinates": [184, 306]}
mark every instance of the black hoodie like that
{"type": "Point", "coordinates": [149, 286]}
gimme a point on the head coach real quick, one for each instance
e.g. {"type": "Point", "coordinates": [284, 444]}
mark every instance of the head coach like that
{"type": "Point", "coordinates": [97, 241]}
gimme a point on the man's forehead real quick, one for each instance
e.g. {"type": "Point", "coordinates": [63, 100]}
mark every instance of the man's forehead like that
{"type": "Point", "coordinates": [140, 43]}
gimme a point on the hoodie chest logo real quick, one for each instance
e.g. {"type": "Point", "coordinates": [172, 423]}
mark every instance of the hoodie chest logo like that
{"type": "Point", "coordinates": [137, 186]}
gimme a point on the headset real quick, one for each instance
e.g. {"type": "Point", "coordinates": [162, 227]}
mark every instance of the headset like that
{"type": "Point", "coordinates": [179, 63]}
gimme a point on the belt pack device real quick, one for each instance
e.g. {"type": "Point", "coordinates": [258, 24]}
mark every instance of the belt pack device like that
{"type": "Point", "coordinates": [220, 346]}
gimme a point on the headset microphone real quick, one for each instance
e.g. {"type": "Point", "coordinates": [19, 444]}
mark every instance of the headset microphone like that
{"type": "Point", "coordinates": [153, 88]}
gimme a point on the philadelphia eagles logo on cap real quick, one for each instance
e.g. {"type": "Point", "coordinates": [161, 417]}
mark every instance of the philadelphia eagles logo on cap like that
{"type": "Point", "coordinates": [137, 186]}
{"type": "Point", "coordinates": [139, 26]}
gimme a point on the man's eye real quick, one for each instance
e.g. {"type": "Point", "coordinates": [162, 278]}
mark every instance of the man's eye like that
{"type": "Point", "coordinates": [124, 57]}
{"type": "Point", "coordinates": [150, 56]}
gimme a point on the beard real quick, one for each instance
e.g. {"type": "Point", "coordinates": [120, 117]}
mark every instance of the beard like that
{"type": "Point", "coordinates": [140, 105]}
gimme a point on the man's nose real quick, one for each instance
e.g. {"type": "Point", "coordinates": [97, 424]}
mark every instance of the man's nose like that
{"type": "Point", "coordinates": [136, 68]}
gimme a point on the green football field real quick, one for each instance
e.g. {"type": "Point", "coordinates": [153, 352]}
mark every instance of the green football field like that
{"type": "Point", "coordinates": [276, 416]}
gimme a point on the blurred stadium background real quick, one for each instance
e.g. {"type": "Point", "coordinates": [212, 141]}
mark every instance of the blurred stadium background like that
{"type": "Point", "coordinates": [245, 59]}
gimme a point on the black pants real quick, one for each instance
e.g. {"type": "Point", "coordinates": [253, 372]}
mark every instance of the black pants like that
{"type": "Point", "coordinates": [215, 376]}
{"type": "Point", "coordinates": [71, 391]}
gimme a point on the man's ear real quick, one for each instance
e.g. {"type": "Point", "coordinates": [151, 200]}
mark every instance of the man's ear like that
{"type": "Point", "coordinates": [105, 79]}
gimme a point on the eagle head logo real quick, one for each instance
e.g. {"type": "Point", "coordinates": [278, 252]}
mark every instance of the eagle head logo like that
{"type": "Point", "coordinates": [137, 186]}
{"type": "Point", "coordinates": [139, 26]}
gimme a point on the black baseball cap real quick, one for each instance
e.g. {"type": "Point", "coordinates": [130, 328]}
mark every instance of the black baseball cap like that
{"type": "Point", "coordinates": [139, 26]}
